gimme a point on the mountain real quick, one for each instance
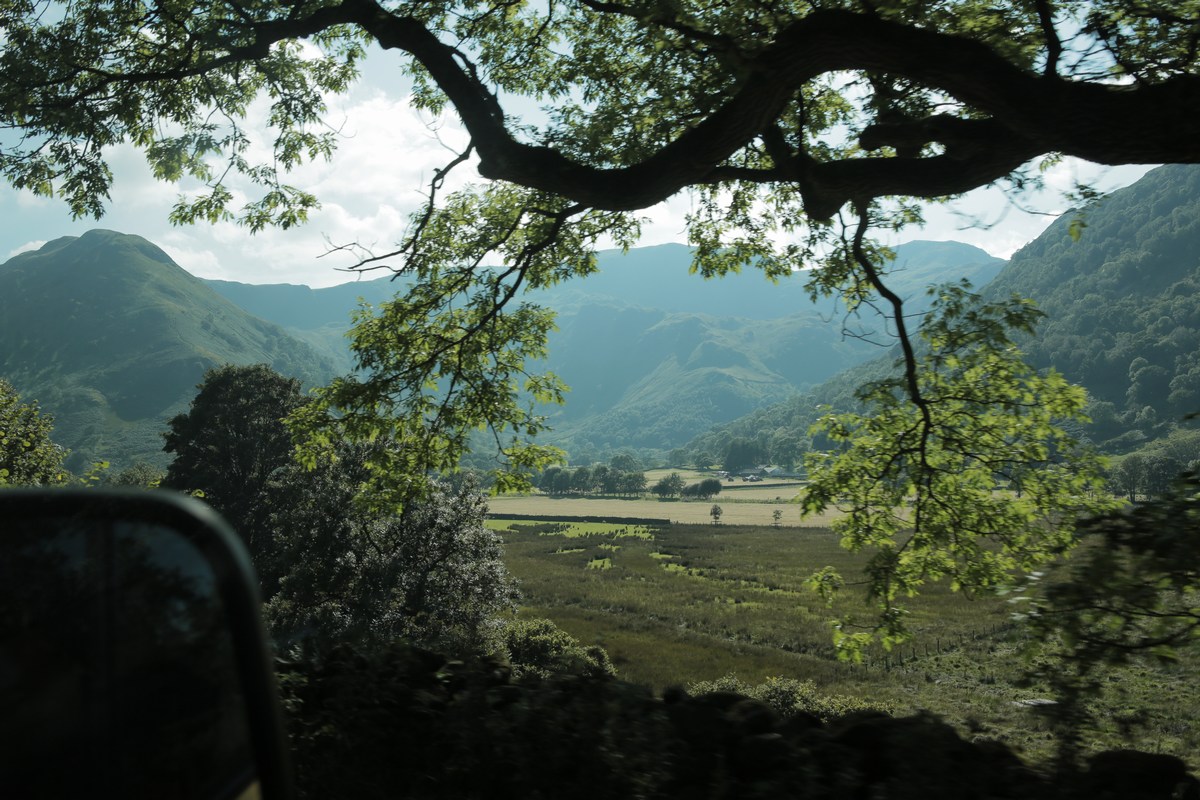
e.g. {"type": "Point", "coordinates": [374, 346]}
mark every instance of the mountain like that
{"type": "Point", "coordinates": [297, 306]}
{"type": "Point", "coordinates": [649, 379]}
{"type": "Point", "coordinates": [649, 277]}
{"type": "Point", "coordinates": [1119, 282]}
{"type": "Point", "coordinates": [111, 337]}
{"type": "Point", "coordinates": [652, 353]}
{"type": "Point", "coordinates": [658, 277]}
{"type": "Point", "coordinates": [1122, 304]}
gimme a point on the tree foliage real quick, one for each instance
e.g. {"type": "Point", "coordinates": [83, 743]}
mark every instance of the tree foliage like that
{"type": "Point", "coordinates": [539, 647]}
{"type": "Point", "coordinates": [230, 442]}
{"type": "Point", "coordinates": [336, 561]}
{"type": "Point", "coordinates": [668, 486]}
{"type": "Point", "coordinates": [27, 455]}
{"type": "Point", "coordinates": [956, 468]}
{"type": "Point", "coordinates": [704, 490]}
{"type": "Point", "coordinates": [600, 480]}
{"type": "Point", "coordinates": [138, 475]}
{"type": "Point", "coordinates": [429, 573]}
{"type": "Point", "coordinates": [742, 454]}
{"type": "Point", "coordinates": [1131, 591]}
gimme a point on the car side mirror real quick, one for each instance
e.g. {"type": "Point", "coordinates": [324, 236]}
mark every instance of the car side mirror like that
{"type": "Point", "coordinates": [133, 661]}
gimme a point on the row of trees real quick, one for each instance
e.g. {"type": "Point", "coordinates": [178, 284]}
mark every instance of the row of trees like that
{"type": "Point", "coordinates": [601, 479]}
{"type": "Point", "coordinates": [674, 485]}
{"type": "Point", "coordinates": [785, 445]}
{"type": "Point", "coordinates": [1147, 474]}
{"type": "Point", "coordinates": [606, 480]}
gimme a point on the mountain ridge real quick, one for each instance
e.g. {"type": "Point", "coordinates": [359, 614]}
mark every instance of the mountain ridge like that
{"type": "Point", "coordinates": [135, 333]}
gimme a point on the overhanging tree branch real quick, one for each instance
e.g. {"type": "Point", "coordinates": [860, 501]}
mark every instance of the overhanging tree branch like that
{"type": "Point", "coordinates": [1005, 114]}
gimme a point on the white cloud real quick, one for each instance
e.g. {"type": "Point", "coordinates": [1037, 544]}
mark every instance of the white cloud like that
{"type": "Point", "coordinates": [202, 263]}
{"type": "Point", "coordinates": [1000, 224]}
{"type": "Point", "coordinates": [25, 248]}
{"type": "Point", "coordinates": [667, 221]}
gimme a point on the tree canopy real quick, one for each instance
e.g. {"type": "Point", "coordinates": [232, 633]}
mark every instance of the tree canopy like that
{"type": "Point", "coordinates": [796, 128]}
{"type": "Point", "coordinates": [431, 572]}
{"type": "Point", "coordinates": [230, 442]}
{"type": "Point", "coordinates": [957, 468]}
{"type": "Point", "coordinates": [641, 99]}
{"type": "Point", "coordinates": [27, 455]}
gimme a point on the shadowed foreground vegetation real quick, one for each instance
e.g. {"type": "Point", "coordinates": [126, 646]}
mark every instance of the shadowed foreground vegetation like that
{"type": "Point", "coordinates": [406, 723]}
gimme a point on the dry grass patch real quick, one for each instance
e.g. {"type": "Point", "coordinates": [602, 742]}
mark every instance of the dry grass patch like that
{"type": "Point", "coordinates": [758, 512]}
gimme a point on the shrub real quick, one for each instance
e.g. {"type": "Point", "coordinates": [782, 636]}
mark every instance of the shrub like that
{"type": "Point", "coordinates": [789, 697]}
{"type": "Point", "coordinates": [539, 647]}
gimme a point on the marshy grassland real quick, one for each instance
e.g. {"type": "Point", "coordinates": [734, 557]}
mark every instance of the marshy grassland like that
{"type": "Point", "coordinates": [682, 603]}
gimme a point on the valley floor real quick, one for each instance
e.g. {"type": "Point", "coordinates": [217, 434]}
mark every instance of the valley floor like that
{"type": "Point", "coordinates": [684, 603]}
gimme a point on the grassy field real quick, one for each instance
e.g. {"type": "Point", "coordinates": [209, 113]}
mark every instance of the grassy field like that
{"type": "Point", "coordinates": [741, 504]}
{"type": "Point", "coordinates": [684, 603]}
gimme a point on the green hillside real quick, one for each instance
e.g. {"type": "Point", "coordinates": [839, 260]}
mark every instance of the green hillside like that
{"type": "Point", "coordinates": [111, 337]}
{"type": "Point", "coordinates": [1122, 304]}
{"type": "Point", "coordinates": [649, 379]}
{"type": "Point", "coordinates": [646, 374]}
{"type": "Point", "coordinates": [652, 353]}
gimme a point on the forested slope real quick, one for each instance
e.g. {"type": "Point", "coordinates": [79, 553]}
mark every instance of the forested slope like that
{"type": "Point", "coordinates": [1122, 304]}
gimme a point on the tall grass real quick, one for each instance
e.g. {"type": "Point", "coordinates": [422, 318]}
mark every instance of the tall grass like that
{"type": "Point", "coordinates": [712, 589]}
{"type": "Point", "coordinates": [688, 603]}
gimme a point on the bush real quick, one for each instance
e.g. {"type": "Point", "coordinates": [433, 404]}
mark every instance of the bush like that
{"type": "Point", "coordinates": [539, 647]}
{"type": "Point", "coordinates": [789, 697]}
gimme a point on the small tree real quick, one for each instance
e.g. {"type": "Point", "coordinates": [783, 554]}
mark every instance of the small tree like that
{"type": "Point", "coordinates": [624, 462]}
{"type": "Point", "coordinates": [139, 475]}
{"type": "Point", "coordinates": [600, 479]}
{"type": "Point", "coordinates": [1159, 474]}
{"type": "Point", "coordinates": [776, 517]}
{"type": "Point", "coordinates": [581, 481]}
{"type": "Point", "coordinates": [1126, 478]}
{"type": "Point", "coordinates": [669, 486]}
{"type": "Point", "coordinates": [715, 512]}
{"type": "Point", "coordinates": [539, 647]}
{"type": "Point", "coordinates": [631, 483]}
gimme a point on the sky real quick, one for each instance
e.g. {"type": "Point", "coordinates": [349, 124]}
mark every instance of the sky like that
{"type": "Point", "coordinates": [387, 154]}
